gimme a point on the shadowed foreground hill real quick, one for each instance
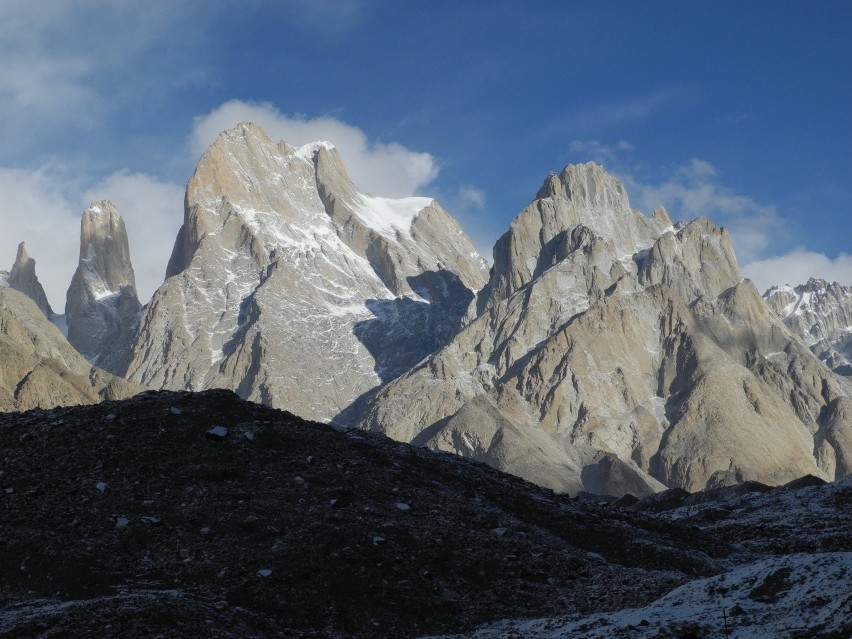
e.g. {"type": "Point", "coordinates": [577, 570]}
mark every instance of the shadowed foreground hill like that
{"type": "Point", "coordinates": [200, 515]}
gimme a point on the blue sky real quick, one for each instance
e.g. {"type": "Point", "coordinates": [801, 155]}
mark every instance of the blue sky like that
{"type": "Point", "coordinates": [735, 110]}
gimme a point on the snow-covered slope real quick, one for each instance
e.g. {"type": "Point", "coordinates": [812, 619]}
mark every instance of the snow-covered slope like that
{"type": "Point", "coordinates": [788, 573]}
{"type": "Point", "coordinates": [802, 595]}
{"type": "Point", "coordinates": [821, 314]}
{"type": "Point", "coordinates": [293, 288]}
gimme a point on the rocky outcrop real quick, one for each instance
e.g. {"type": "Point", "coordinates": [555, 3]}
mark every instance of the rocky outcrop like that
{"type": "Point", "coordinates": [291, 287]}
{"type": "Point", "coordinates": [101, 304]}
{"type": "Point", "coordinates": [821, 314]}
{"type": "Point", "coordinates": [40, 369]}
{"type": "Point", "coordinates": [616, 353]}
{"type": "Point", "coordinates": [23, 278]}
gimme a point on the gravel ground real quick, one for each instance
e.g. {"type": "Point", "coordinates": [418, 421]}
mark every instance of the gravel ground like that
{"type": "Point", "coordinates": [201, 515]}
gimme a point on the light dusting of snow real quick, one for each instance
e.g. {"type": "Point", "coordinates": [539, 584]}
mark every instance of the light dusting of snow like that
{"type": "Point", "coordinates": [767, 598]}
{"type": "Point", "coordinates": [95, 209]}
{"type": "Point", "coordinates": [93, 282]}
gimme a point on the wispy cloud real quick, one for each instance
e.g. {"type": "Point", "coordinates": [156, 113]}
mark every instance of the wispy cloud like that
{"type": "Point", "coordinates": [326, 17]}
{"type": "Point", "coordinates": [43, 207]}
{"type": "Point", "coordinates": [383, 168]}
{"type": "Point", "coordinates": [585, 150]}
{"type": "Point", "coordinates": [471, 196]}
{"type": "Point", "coordinates": [695, 189]}
{"type": "Point", "coordinates": [797, 266]}
{"type": "Point", "coordinates": [65, 64]}
{"type": "Point", "coordinates": [36, 209]}
{"type": "Point", "coordinates": [602, 116]}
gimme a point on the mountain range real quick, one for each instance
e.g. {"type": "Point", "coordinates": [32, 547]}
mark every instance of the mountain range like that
{"type": "Point", "coordinates": [603, 351]}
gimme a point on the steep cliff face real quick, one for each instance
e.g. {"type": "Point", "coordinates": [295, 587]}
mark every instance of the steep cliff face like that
{"type": "Point", "coordinates": [40, 369]}
{"type": "Point", "coordinates": [821, 314]}
{"type": "Point", "coordinates": [101, 303]}
{"type": "Point", "coordinates": [616, 353]}
{"type": "Point", "coordinates": [23, 278]}
{"type": "Point", "coordinates": [291, 287]}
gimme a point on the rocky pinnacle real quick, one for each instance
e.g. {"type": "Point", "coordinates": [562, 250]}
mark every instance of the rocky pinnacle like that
{"type": "Point", "coordinates": [101, 303]}
{"type": "Point", "coordinates": [23, 278]}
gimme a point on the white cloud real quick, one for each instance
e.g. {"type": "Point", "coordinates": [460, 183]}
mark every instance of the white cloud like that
{"type": "Point", "coordinates": [694, 189]}
{"type": "Point", "coordinates": [59, 56]}
{"type": "Point", "coordinates": [586, 150]}
{"type": "Point", "coordinates": [797, 266]}
{"type": "Point", "coordinates": [386, 169]}
{"type": "Point", "coordinates": [471, 196]}
{"type": "Point", "coordinates": [43, 208]}
{"type": "Point", "coordinates": [153, 213]}
{"type": "Point", "coordinates": [757, 229]}
{"type": "Point", "coordinates": [36, 210]}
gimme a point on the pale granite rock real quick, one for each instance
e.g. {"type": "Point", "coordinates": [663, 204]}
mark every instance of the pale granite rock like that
{"type": "Point", "coordinates": [40, 369]}
{"type": "Point", "coordinates": [618, 353]}
{"type": "Point", "coordinates": [23, 278]}
{"type": "Point", "coordinates": [293, 288]}
{"type": "Point", "coordinates": [101, 303]}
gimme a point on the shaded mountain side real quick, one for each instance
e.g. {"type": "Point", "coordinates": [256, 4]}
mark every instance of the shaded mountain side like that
{"type": "Point", "coordinates": [201, 515]}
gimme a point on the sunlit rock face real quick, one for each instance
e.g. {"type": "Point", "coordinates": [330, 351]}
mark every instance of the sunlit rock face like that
{"type": "Point", "coordinates": [101, 303]}
{"type": "Point", "coordinates": [293, 288]}
{"type": "Point", "coordinates": [22, 277]}
{"type": "Point", "coordinates": [39, 368]}
{"type": "Point", "coordinates": [616, 353]}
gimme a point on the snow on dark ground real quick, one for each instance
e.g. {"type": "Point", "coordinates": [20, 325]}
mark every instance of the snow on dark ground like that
{"type": "Point", "coordinates": [200, 515]}
{"type": "Point", "coordinates": [788, 572]}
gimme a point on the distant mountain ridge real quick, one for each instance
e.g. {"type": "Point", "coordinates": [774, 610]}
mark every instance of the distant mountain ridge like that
{"type": "Point", "coordinates": [821, 314]}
